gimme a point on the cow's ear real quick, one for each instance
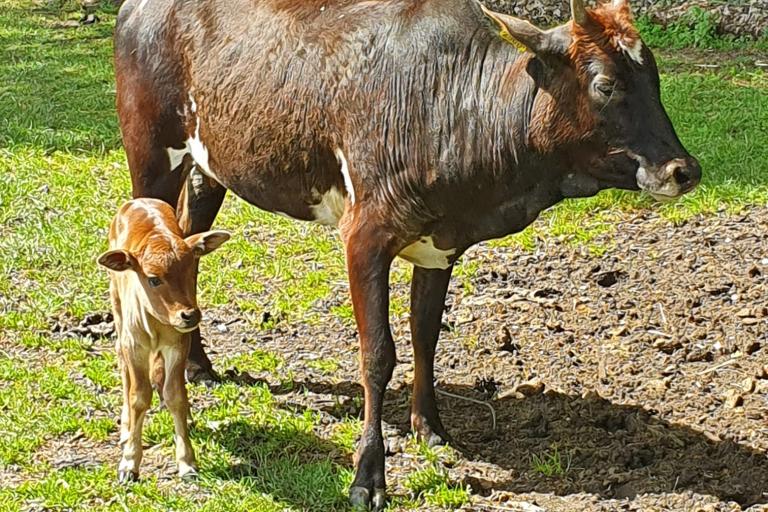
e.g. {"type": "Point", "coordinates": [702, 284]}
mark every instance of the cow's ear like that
{"type": "Point", "coordinates": [117, 260]}
{"type": "Point", "coordinates": [526, 37]}
{"type": "Point", "coordinates": [204, 243]}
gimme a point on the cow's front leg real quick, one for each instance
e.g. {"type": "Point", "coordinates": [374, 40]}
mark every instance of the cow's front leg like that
{"type": "Point", "coordinates": [199, 203]}
{"type": "Point", "coordinates": [428, 289]}
{"type": "Point", "coordinates": [368, 263]}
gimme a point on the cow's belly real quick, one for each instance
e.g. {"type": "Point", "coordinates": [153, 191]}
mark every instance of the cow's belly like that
{"type": "Point", "coordinates": [313, 186]}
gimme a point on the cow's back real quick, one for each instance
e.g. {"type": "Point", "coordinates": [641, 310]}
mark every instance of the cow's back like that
{"type": "Point", "coordinates": [268, 91]}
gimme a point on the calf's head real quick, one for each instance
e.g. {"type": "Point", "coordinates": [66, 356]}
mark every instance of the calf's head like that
{"type": "Point", "coordinates": [601, 91]}
{"type": "Point", "coordinates": [163, 274]}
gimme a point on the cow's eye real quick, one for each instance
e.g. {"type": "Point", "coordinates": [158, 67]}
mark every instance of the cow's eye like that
{"type": "Point", "coordinates": [154, 282]}
{"type": "Point", "coordinates": [605, 88]}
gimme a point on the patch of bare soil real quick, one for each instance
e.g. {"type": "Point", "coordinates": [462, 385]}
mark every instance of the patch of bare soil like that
{"type": "Point", "coordinates": [647, 368]}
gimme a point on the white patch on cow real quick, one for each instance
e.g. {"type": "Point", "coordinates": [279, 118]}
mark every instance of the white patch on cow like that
{"type": "Point", "coordinates": [634, 52]}
{"type": "Point", "coordinates": [176, 156]}
{"type": "Point", "coordinates": [423, 253]}
{"type": "Point", "coordinates": [345, 172]}
{"type": "Point", "coordinates": [330, 208]}
{"type": "Point", "coordinates": [196, 147]}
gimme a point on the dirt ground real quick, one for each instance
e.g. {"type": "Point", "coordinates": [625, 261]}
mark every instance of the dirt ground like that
{"type": "Point", "coordinates": [646, 367]}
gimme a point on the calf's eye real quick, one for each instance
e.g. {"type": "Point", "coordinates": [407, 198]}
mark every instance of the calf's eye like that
{"type": "Point", "coordinates": [154, 282]}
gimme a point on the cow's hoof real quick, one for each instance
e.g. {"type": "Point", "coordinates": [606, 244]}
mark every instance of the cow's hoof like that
{"type": "Point", "coordinates": [199, 375]}
{"type": "Point", "coordinates": [430, 435]}
{"type": "Point", "coordinates": [361, 498]}
{"type": "Point", "coordinates": [126, 477]}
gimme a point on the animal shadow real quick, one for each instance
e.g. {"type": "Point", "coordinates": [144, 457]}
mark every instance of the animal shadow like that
{"type": "Point", "coordinates": [610, 450]}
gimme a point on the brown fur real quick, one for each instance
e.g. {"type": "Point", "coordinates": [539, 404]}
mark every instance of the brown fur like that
{"type": "Point", "coordinates": [152, 322]}
{"type": "Point", "coordinates": [448, 131]}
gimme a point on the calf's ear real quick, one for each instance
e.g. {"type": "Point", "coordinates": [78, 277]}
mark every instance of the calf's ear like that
{"type": "Point", "coordinates": [203, 243]}
{"type": "Point", "coordinates": [117, 260]}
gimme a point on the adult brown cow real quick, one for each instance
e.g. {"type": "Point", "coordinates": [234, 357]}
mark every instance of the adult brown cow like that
{"type": "Point", "coordinates": [419, 127]}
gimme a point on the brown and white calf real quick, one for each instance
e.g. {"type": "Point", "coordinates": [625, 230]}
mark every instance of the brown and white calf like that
{"type": "Point", "coordinates": [419, 127]}
{"type": "Point", "coordinates": [153, 284]}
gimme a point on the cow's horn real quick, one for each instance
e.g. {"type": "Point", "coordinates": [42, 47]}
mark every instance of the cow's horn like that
{"type": "Point", "coordinates": [579, 12]}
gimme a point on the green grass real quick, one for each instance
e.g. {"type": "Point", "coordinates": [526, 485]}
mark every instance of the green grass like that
{"type": "Point", "coordinates": [62, 175]}
{"type": "Point", "coordinates": [551, 463]}
{"type": "Point", "coordinates": [697, 28]}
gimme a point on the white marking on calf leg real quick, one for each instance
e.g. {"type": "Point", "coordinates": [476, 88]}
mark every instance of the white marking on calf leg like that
{"type": "Point", "coordinates": [423, 253]}
{"type": "Point", "coordinates": [345, 172]}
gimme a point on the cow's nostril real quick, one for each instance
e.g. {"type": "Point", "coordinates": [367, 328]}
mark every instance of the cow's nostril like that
{"type": "Point", "coordinates": [682, 175]}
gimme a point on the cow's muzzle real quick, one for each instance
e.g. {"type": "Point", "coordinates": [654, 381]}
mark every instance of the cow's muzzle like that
{"type": "Point", "coordinates": [670, 180]}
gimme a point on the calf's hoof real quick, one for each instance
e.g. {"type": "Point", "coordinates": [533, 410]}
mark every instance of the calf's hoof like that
{"type": "Point", "coordinates": [126, 477]}
{"type": "Point", "coordinates": [188, 474]}
{"type": "Point", "coordinates": [362, 498]}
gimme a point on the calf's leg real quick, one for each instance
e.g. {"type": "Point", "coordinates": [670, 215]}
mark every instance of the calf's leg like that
{"type": "Point", "coordinates": [175, 393]}
{"type": "Point", "coordinates": [139, 395]}
{"type": "Point", "coordinates": [428, 289]}
{"type": "Point", "coordinates": [125, 417]}
{"type": "Point", "coordinates": [368, 265]}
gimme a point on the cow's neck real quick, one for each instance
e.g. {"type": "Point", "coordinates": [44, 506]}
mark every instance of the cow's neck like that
{"type": "Point", "coordinates": [534, 142]}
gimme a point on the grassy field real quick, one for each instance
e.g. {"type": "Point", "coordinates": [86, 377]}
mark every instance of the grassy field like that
{"type": "Point", "coordinates": [63, 173]}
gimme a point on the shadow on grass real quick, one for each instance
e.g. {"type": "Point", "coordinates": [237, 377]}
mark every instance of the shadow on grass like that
{"type": "Point", "coordinates": [614, 451]}
{"type": "Point", "coordinates": [288, 463]}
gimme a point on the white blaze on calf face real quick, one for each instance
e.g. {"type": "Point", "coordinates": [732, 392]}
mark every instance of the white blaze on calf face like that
{"type": "Point", "coordinates": [423, 253]}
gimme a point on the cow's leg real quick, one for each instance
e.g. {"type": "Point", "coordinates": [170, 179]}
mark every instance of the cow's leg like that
{"type": "Point", "coordinates": [175, 393]}
{"type": "Point", "coordinates": [428, 290]}
{"type": "Point", "coordinates": [368, 264]}
{"type": "Point", "coordinates": [198, 205]}
{"type": "Point", "coordinates": [139, 396]}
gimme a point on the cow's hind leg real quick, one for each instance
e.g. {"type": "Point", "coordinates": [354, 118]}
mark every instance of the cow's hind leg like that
{"type": "Point", "coordinates": [368, 264]}
{"type": "Point", "coordinates": [198, 205]}
{"type": "Point", "coordinates": [428, 290]}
